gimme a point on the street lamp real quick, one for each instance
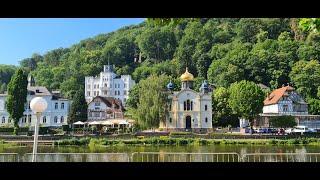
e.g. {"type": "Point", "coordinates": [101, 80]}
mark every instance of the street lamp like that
{"type": "Point", "coordinates": [37, 105]}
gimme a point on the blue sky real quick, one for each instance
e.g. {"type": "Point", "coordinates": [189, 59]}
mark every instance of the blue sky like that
{"type": "Point", "coordinates": [21, 37]}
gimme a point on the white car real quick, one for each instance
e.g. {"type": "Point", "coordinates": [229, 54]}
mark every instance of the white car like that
{"type": "Point", "coordinates": [301, 129]}
{"type": "Point", "coordinates": [288, 131]}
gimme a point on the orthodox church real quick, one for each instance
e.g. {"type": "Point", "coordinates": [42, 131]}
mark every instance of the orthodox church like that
{"type": "Point", "coordinates": [189, 110]}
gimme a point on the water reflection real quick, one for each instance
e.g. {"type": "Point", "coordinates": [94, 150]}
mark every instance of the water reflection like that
{"type": "Point", "coordinates": [163, 153]}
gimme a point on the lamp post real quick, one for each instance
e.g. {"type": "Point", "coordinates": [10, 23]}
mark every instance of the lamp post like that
{"type": "Point", "coordinates": [37, 105]}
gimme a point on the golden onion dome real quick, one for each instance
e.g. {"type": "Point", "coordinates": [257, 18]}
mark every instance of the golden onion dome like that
{"type": "Point", "coordinates": [186, 76]}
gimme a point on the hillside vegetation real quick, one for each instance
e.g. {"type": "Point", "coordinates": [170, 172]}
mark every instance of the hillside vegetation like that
{"type": "Point", "coordinates": [269, 51]}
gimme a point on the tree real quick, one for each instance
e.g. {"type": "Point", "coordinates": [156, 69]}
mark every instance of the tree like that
{"type": "Point", "coordinates": [313, 106]}
{"type": "Point", "coordinates": [17, 97]}
{"type": "Point", "coordinates": [133, 99]}
{"type": "Point", "coordinates": [282, 121]}
{"type": "Point", "coordinates": [306, 76]}
{"type": "Point", "coordinates": [3, 88]}
{"type": "Point", "coordinates": [151, 107]}
{"type": "Point", "coordinates": [222, 112]}
{"type": "Point", "coordinates": [310, 24]}
{"type": "Point", "coordinates": [79, 108]}
{"type": "Point", "coordinates": [157, 43]}
{"type": "Point", "coordinates": [246, 99]}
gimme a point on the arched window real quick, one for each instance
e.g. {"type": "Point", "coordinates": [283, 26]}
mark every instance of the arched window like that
{"type": "Point", "coordinates": [3, 119]}
{"type": "Point", "coordinates": [62, 105]}
{"type": "Point", "coordinates": [191, 104]}
{"type": "Point", "coordinates": [205, 107]}
{"type": "Point", "coordinates": [62, 119]}
{"type": "Point", "coordinates": [188, 105]}
{"type": "Point", "coordinates": [184, 106]}
{"type": "Point", "coordinates": [55, 105]}
{"type": "Point", "coordinates": [44, 119]}
{"type": "Point", "coordinates": [55, 119]}
{"type": "Point", "coordinates": [170, 120]}
{"type": "Point", "coordinates": [30, 118]}
{"type": "Point", "coordinates": [206, 119]}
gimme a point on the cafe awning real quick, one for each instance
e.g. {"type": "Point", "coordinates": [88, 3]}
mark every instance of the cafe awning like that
{"type": "Point", "coordinates": [79, 123]}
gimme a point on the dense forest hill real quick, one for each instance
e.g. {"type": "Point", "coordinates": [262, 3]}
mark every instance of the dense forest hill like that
{"type": "Point", "coordinates": [270, 51]}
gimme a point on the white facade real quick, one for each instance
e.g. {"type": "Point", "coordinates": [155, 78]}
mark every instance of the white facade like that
{"type": "Point", "coordinates": [108, 84]}
{"type": "Point", "coordinates": [188, 109]}
{"type": "Point", "coordinates": [56, 113]}
{"type": "Point", "coordinates": [101, 108]}
{"type": "Point", "coordinates": [289, 104]}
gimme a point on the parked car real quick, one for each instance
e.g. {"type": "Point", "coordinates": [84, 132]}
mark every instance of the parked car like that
{"type": "Point", "coordinates": [288, 130]}
{"type": "Point", "coordinates": [259, 130]}
{"type": "Point", "coordinates": [274, 130]}
{"type": "Point", "coordinates": [301, 129]}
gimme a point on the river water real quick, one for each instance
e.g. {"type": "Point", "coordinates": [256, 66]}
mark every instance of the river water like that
{"type": "Point", "coordinates": [205, 153]}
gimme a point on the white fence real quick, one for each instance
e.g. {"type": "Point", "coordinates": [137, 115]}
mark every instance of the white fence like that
{"type": "Point", "coordinates": [162, 157]}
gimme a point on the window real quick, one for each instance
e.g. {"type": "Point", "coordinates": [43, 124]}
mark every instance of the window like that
{"type": "Point", "coordinates": [88, 93]}
{"type": "Point", "coordinates": [94, 86]}
{"type": "Point", "coordinates": [62, 119]}
{"type": "Point", "coordinates": [285, 108]}
{"type": "Point", "coordinates": [90, 114]}
{"type": "Point", "coordinates": [206, 120]}
{"type": "Point", "coordinates": [184, 105]}
{"type": "Point", "coordinates": [170, 120]}
{"type": "Point", "coordinates": [55, 119]}
{"type": "Point", "coordinates": [96, 114]}
{"type": "Point", "coordinates": [205, 107]}
{"type": "Point", "coordinates": [30, 118]}
{"type": "Point", "coordinates": [55, 105]}
{"type": "Point", "coordinates": [105, 85]}
{"type": "Point", "coordinates": [97, 103]}
{"type": "Point", "coordinates": [118, 92]}
{"type": "Point", "coordinates": [124, 85]}
{"type": "Point", "coordinates": [97, 93]}
{"type": "Point", "coordinates": [187, 105]}
{"type": "Point", "coordinates": [62, 105]}
{"type": "Point", "coordinates": [3, 120]}
{"type": "Point", "coordinates": [44, 119]}
{"type": "Point", "coordinates": [98, 86]}
{"type": "Point", "coordinates": [169, 106]}
{"type": "Point", "coordinates": [124, 92]}
{"type": "Point", "coordinates": [103, 114]}
{"type": "Point", "coordinates": [94, 93]}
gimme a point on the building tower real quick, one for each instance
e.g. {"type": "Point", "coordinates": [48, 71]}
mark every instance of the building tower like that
{"type": "Point", "coordinates": [31, 81]}
{"type": "Point", "coordinates": [186, 80]}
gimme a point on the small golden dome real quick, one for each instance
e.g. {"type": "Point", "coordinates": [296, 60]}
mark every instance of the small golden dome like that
{"type": "Point", "coordinates": [186, 76]}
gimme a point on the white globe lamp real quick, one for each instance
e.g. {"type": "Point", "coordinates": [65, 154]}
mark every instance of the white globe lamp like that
{"type": "Point", "coordinates": [38, 105]}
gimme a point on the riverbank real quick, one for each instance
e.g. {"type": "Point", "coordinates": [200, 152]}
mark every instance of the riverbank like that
{"type": "Point", "coordinates": [183, 141]}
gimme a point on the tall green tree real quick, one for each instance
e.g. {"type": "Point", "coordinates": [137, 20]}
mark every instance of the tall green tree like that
{"type": "Point", "coordinates": [152, 102]}
{"type": "Point", "coordinates": [222, 112]}
{"type": "Point", "coordinates": [246, 99]}
{"type": "Point", "coordinates": [306, 76]}
{"type": "Point", "coordinates": [17, 97]}
{"type": "Point", "coordinates": [79, 108]}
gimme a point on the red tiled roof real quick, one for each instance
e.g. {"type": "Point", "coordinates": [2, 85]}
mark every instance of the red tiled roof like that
{"type": "Point", "coordinates": [276, 95]}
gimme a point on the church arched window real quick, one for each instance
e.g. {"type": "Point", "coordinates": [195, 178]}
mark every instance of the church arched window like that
{"type": "Point", "coordinates": [205, 107]}
{"type": "Point", "coordinates": [184, 105]}
{"type": "Point", "coordinates": [191, 105]}
{"type": "Point", "coordinates": [206, 119]}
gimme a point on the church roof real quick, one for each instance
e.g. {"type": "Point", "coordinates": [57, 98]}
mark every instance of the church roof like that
{"type": "Point", "coordinates": [277, 94]}
{"type": "Point", "coordinates": [186, 76]}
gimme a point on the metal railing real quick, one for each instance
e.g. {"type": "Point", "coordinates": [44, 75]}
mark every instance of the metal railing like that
{"type": "Point", "coordinates": [280, 157]}
{"type": "Point", "coordinates": [184, 157]}
{"type": "Point", "coordinates": [162, 157]}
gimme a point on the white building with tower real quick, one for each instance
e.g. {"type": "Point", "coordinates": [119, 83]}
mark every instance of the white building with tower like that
{"type": "Point", "coordinates": [55, 115]}
{"type": "Point", "coordinates": [108, 84]}
{"type": "Point", "coordinates": [189, 110]}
